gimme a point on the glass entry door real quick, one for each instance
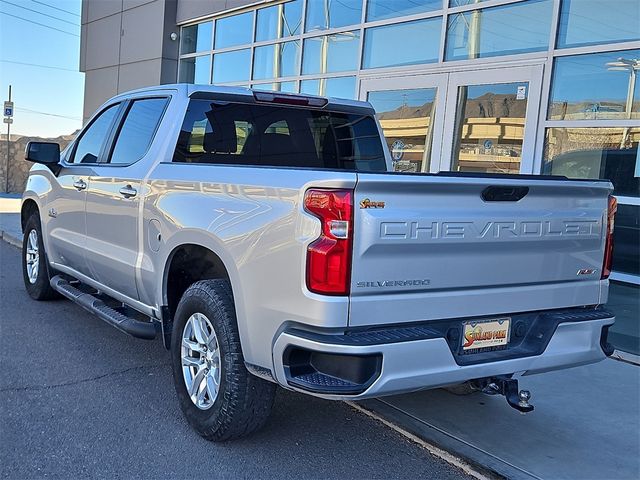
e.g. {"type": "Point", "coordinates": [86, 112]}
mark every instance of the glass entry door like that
{"type": "Point", "coordinates": [472, 121]}
{"type": "Point", "coordinates": [411, 113]}
{"type": "Point", "coordinates": [491, 120]}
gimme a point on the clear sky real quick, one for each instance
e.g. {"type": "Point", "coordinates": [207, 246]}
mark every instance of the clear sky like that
{"type": "Point", "coordinates": [39, 57]}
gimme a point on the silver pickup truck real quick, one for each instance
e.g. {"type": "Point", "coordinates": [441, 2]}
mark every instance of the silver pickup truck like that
{"type": "Point", "coordinates": [263, 237]}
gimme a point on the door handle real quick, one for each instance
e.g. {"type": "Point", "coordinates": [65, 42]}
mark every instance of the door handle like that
{"type": "Point", "coordinates": [80, 184]}
{"type": "Point", "coordinates": [128, 191]}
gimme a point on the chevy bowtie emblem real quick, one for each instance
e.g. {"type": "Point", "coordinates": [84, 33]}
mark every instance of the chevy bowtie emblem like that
{"type": "Point", "coordinates": [366, 203]}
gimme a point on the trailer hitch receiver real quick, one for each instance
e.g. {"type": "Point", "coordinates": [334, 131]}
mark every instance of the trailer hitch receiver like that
{"type": "Point", "coordinates": [518, 399]}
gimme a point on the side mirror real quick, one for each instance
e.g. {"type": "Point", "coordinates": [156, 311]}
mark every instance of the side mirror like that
{"type": "Point", "coordinates": [47, 153]}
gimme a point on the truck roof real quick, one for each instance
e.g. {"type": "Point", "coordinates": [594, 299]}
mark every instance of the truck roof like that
{"type": "Point", "coordinates": [190, 90]}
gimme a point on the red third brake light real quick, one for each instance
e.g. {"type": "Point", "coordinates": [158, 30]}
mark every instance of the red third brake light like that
{"type": "Point", "coordinates": [608, 245]}
{"type": "Point", "coordinates": [329, 256]}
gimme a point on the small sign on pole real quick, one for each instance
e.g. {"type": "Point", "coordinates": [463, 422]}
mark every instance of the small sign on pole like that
{"type": "Point", "coordinates": [8, 120]}
{"type": "Point", "coordinates": [8, 109]}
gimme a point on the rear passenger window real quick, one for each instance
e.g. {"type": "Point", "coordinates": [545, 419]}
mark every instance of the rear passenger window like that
{"type": "Point", "coordinates": [267, 135]}
{"type": "Point", "coordinates": [138, 129]}
{"type": "Point", "coordinates": [92, 139]}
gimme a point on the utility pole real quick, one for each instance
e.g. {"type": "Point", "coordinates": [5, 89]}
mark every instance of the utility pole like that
{"type": "Point", "coordinates": [8, 119]}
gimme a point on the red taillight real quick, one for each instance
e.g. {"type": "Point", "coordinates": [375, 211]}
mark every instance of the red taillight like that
{"type": "Point", "coordinates": [329, 256]}
{"type": "Point", "coordinates": [608, 244]}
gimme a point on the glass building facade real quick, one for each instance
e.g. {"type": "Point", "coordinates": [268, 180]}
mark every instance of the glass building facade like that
{"type": "Point", "coordinates": [503, 86]}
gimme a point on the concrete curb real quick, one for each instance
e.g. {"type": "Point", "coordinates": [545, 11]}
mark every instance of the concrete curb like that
{"type": "Point", "coordinates": [11, 239]}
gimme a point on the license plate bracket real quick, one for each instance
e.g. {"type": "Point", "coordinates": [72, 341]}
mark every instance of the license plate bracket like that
{"type": "Point", "coordinates": [485, 335]}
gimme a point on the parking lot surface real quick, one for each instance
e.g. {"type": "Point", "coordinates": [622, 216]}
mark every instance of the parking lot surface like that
{"type": "Point", "coordinates": [78, 398]}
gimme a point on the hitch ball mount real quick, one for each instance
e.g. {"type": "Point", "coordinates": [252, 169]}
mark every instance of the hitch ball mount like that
{"type": "Point", "coordinates": [508, 387]}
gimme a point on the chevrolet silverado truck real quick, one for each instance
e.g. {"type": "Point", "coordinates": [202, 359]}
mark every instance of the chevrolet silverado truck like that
{"type": "Point", "coordinates": [264, 238]}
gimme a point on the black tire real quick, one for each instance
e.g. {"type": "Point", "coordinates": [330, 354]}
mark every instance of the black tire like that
{"type": "Point", "coordinates": [465, 388]}
{"type": "Point", "coordinates": [243, 402]}
{"type": "Point", "coordinates": [39, 287]}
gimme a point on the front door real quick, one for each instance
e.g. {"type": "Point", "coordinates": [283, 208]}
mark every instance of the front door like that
{"type": "Point", "coordinates": [472, 121]}
{"type": "Point", "coordinates": [114, 196]}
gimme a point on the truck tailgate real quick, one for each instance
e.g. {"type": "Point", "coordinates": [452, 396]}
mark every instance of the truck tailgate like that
{"type": "Point", "coordinates": [437, 246]}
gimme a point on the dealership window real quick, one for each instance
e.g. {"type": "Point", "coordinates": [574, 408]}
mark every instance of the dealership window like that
{"type": "Point", "coordinates": [510, 29]}
{"type": "Point", "coordinates": [598, 86]}
{"type": "Point", "coordinates": [331, 53]}
{"type": "Point", "coordinates": [383, 9]}
{"type": "Point", "coordinates": [279, 21]}
{"type": "Point", "coordinates": [590, 22]}
{"type": "Point", "coordinates": [387, 45]}
{"type": "Point", "coordinates": [196, 38]}
{"type": "Point", "coordinates": [340, 87]}
{"type": "Point", "coordinates": [233, 31]}
{"type": "Point", "coordinates": [324, 14]}
{"type": "Point", "coordinates": [196, 69]}
{"type": "Point", "coordinates": [232, 66]}
{"type": "Point", "coordinates": [276, 60]}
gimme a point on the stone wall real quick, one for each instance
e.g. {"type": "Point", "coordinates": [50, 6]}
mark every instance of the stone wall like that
{"type": "Point", "coordinates": [18, 166]}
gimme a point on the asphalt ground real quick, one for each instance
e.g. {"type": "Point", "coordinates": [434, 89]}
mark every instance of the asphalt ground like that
{"type": "Point", "coordinates": [80, 399]}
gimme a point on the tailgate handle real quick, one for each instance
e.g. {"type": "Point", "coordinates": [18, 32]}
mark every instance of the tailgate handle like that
{"type": "Point", "coordinates": [497, 193]}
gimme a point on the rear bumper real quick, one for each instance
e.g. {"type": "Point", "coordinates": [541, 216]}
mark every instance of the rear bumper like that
{"type": "Point", "coordinates": [413, 363]}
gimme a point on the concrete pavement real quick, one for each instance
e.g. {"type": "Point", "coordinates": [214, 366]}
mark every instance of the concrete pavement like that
{"type": "Point", "coordinates": [80, 399]}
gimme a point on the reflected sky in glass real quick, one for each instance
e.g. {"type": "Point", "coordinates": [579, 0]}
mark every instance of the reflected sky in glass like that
{"type": "Point", "coordinates": [585, 87]}
{"type": "Point", "coordinates": [234, 30]}
{"type": "Point", "coordinates": [337, 87]}
{"type": "Point", "coordinates": [390, 100]}
{"type": "Point", "coordinates": [196, 70]}
{"type": "Point", "coordinates": [267, 21]}
{"type": "Point", "coordinates": [285, 57]}
{"type": "Point", "coordinates": [342, 53]}
{"type": "Point", "coordinates": [518, 28]}
{"type": "Point", "coordinates": [323, 14]}
{"type": "Point", "coordinates": [382, 9]}
{"type": "Point", "coordinates": [231, 66]}
{"type": "Point", "coordinates": [589, 22]}
{"type": "Point", "coordinates": [196, 38]}
{"type": "Point", "coordinates": [390, 45]}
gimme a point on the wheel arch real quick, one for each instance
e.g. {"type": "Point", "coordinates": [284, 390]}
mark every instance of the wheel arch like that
{"type": "Point", "coordinates": [209, 263]}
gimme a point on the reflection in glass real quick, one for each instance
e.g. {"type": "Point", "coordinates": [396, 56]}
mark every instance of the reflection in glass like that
{"type": "Point", "coordinates": [462, 3]}
{"type": "Point", "coordinates": [279, 21]}
{"type": "Point", "coordinates": [231, 66]}
{"type": "Point", "coordinates": [288, 87]}
{"type": "Point", "coordinates": [234, 30]}
{"type": "Point", "coordinates": [596, 152]}
{"type": "Point", "coordinates": [596, 86]}
{"type": "Point", "coordinates": [337, 87]}
{"type": "Point", "coordinates": [278, 60]}
{"type": "Point", "coordinates": [589, 22]}
{"type": "Point", "coordinates": [196, 69]}
{"type": "Point", "coordinates": [323, 14]}
{"type": "Point", "coordinates": [489, 128]}
{"type": "Point", "coordinates": [406, 117]}
{"type": "Point", "coordinates": [519, 28]}
{"type": "Point", "coordinates": [382, 9]}
{"type": "Point", "coordinates": [624, 299]}
{"type": "Point", "coordinates": [603, 152]}
{"type": "Point", "coordinates": [196, 38]}
{"type": "Point", "coordinates": [390, 45]}
{"type": "Point", "coordinates": [331, 53]}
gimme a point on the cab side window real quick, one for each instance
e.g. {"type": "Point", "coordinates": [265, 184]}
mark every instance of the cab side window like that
{"type": "Point", "coordinates": [138, 130]}
{"type": "Point", "coordinates": [92, 139]}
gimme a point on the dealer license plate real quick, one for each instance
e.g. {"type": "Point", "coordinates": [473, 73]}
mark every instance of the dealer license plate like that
{"type": "Point", "coordinates": [486, 333]}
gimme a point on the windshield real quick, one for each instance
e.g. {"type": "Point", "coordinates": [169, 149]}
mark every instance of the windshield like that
{"type": "Point", "coordinates": [268, 135]}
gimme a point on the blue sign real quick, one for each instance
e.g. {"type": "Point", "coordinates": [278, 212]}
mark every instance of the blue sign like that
{"type": "Point", "coordinates": [488, 144]}
{"type": "Point", "coordinates": [8, 109]}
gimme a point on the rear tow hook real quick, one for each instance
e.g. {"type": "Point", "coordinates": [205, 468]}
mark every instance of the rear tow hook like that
{"type": "Point", "coordinates": [509, 388]}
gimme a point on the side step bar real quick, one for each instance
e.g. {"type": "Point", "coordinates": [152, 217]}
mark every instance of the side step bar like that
{"type": "Point", "coordinates": [131, 326]}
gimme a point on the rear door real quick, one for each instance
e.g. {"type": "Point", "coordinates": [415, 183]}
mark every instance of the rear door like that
{"type": "Point", "coordinates": [431, 247]}
{"type": "Point", "coordinates": [113, 197]}
{"type": "Point", "coordinates": [66, 219]}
